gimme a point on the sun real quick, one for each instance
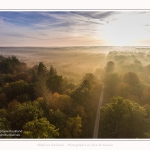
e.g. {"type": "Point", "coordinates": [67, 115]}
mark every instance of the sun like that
{"type": "Point", "coordinates": [126, 30]}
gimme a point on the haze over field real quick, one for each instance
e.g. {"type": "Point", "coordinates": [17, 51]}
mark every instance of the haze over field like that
{"type": "Point", "coordinates": [69, 61]}
{"type": "Point", "coordinates": [75, 62]}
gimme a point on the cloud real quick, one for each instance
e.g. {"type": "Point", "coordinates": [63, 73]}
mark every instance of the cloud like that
{"type": "Point", "coordinates": [45, 26]}
{"type": "Point", "coordinates": [95, 14]}
{"type": "Point", "coordinates": [51, 27]}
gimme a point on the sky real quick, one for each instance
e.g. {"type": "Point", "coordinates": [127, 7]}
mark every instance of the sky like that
{"type": "Point", "coordinates": [74, 28]}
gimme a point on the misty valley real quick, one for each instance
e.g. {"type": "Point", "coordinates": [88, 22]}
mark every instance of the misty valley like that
{"type": "Point", "coordinates": [54, 92]}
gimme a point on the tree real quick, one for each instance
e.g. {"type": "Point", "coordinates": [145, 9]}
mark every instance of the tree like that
{"type": "Point", "coordinates": [62, 102]}
{"type": "Point", "coordinates": [82, 93]}
{"type": "Point", "coordinates": [131, 78]}
{"type": "Point", "coordinates": [131, 92]}
{"type": "Point", "coordinates": [67, 86]}
{"type": "Point", "coordinates": [58, 118]}
{"type": "Point", "coordinates": [52, 71]}
{"type": "Point", "coordinates": [19, 114]}
{"type": "Point", "coordinates": [22, 76]}
{"type": "Point", "coordinates": [7, 78]}
{"type": "Point", "coordinates": [17, 89]}
{"type": "Point", "coordinates": [74, 126]}
{"type": "Point", "coordinates": [3, 100]}
{"type": "Point", "coordinates": [4, 123]}
{"type": "Point", "coordinates": [41, 89]}
{"type": "Point", "coordinates": [39, 128]}
{"type": "Point", "coordinates": [42, 71]}
{"type": "Point", "coordinates": [21, 67]}
{"type": "Point", "coordinates": [55, 83]}
{"type": "Point", "coordinates": [110, 67]}
{"type": "Point", "coordinates": [111, 82]}
{"type": "Point", "coordinates": [87, 95]}
{"type": "Point", "coordinates": [147, 108]}
{"type": "Point", "coordinates": [7, 65]}
{"type": "Point", "coordinates": [123, 118]}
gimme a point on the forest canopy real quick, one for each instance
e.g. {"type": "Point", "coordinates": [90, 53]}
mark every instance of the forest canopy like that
{"type": "Point", "coordinates": [49, 101]}
{"type": "Point", "coordinates": [43, 104]}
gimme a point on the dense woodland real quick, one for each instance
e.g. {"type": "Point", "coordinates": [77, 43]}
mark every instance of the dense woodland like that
{"type": "Point", "coordinates": [126, 105]}
{"type": "Point", "coordinates": [43, 104]}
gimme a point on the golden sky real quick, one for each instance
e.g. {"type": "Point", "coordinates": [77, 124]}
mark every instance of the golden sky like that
{"type": "Point", "coordinates": [74, 28]}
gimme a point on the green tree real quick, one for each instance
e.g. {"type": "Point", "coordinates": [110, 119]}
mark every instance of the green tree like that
{"type": "Point", "coordinates": [4, 123]}
{"type": "Point", "coordinates": [19, 88]}
{"type": "Point", "coordinates": [19, 114]}
{"type": "Point", "coordinates": [82, 93]}
{"type": "Point", "coordinates": [147, 108]}
{"type": "Point", "coordinates": [39, 128]}
{"type": "Point", "coordinates": [42, 71]}
{"type": "Point", "coordinates": [7, 78]}
{"type": "Point", "coordinates": [67, 86]}
{"type": "Point", "coordinates": [55, 83]}
{"type": "Point", "coordinates": [74, 126]}
{"type": "Point", "coordinates": [58, 118]}
{"type": "Point", "coordinates": [87, 95]}
{"type": "Point", "coordinates": [7, 65]}
{"type": "Point", "coordinates": [123, 118]}
{"type": "Point", "coordinates": [52, 71]}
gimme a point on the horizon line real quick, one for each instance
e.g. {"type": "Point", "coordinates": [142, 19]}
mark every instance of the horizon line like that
{"type": "Point", "coordinates": [67, 46]}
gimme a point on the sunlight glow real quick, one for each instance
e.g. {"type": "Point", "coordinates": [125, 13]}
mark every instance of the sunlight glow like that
{"type": "Point", "coordinates": [126, 30]}
{"type": "Point", "coordinates": [81, 28]}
